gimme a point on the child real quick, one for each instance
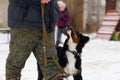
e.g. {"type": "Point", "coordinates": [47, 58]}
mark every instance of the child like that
{"type": "Point", "coordinates": [63, 20]}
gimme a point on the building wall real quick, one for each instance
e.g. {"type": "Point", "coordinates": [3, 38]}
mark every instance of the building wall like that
{"type": "Point", "coordinates": [118, 5]}
{"type": "Point", "coordinates": [3, 12]}
{"type": "Point", "coordinates": [91, 15]}
{"type": "Point", "coordinates": [85, 15]}
{"type": "Point", "coordinates": [75, 8]}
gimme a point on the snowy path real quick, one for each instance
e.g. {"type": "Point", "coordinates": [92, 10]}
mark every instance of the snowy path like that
{"type": "Point", "coordinates": [100, 61]}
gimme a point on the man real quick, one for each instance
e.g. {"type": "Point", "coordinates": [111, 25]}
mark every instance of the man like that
{"type": "Point", "coordinates": [25, 21]}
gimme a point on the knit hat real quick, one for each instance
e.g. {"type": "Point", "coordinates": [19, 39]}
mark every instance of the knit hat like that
{"type": "Point", "coordinates": [61, 4]}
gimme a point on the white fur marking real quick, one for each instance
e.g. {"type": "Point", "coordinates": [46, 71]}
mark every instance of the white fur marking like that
{"type": "Point", "coordinates": [61, 44]}
{"type": "Point", "coordinates": [72, 45]}
{"type": "Point", "coordinates": [70, 68]}
{"type": "Point", "coordinates": [69, 78]}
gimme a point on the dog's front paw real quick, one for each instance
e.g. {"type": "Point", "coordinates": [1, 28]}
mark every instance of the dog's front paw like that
{"type": "Point", "coordinates": [70, 70]}
{"type": "Point", "coordinates": [60, 45]}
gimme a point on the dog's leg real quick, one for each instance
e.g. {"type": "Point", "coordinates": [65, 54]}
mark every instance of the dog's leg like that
{"type": "Point", "coordinates": [78, 77]}
{"type": "Point", "coordinates": [68, 78]}
{"type": "Point", "coordinates": [40, 75]}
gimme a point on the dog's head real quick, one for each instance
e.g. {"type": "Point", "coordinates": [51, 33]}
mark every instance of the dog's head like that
{"type": "Point", "coordinates": [75, 40]}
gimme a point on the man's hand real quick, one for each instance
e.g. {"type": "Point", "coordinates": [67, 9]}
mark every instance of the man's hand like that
{"type": "Point", "coordinates": [45, 1]}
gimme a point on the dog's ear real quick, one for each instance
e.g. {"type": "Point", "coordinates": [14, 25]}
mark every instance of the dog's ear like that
{"type": "Point", "coordinates": [83, 38]}
{"type": "Point", "coordinates": [82, 41]}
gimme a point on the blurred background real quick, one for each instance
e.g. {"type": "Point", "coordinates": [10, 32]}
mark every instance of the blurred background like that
{"type": "Point", "coordinates": [3, 13]}
{"type": "Point", "coordinates": [86, 15]}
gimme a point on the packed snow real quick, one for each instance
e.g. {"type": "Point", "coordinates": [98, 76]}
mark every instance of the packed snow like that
{"type": "Point", "coordinates": [100, 60]}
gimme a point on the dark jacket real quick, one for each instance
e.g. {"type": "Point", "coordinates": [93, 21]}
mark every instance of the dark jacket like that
{"type": "Point", "coordinates": [63, 18]}
{"type": "Point", "coordinates": [27, 14]}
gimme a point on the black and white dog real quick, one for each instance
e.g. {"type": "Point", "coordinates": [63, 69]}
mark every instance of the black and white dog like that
{"type": "Point", "coordinates": [69, 53]}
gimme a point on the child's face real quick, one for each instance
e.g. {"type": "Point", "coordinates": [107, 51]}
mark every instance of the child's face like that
{"type": "Point", "coordinates": [61, 9]}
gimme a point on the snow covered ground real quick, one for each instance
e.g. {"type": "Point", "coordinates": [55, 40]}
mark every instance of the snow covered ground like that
{"type": "Point", "coordinates": [100, 60]}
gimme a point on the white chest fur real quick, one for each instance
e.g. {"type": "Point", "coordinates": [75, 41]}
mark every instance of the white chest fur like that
{"type": "Point", "coordinates": [70, 68]}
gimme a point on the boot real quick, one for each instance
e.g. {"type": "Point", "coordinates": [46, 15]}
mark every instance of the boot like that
{"type": "Point", "coordinates": [17, 78]}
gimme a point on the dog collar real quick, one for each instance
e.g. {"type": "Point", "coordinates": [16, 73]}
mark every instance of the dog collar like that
{"type": "Point", "coordinates": [74, 52]}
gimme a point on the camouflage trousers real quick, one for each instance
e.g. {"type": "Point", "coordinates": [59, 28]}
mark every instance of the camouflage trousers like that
{"type": "Point", "coordinates": [23, 42]}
